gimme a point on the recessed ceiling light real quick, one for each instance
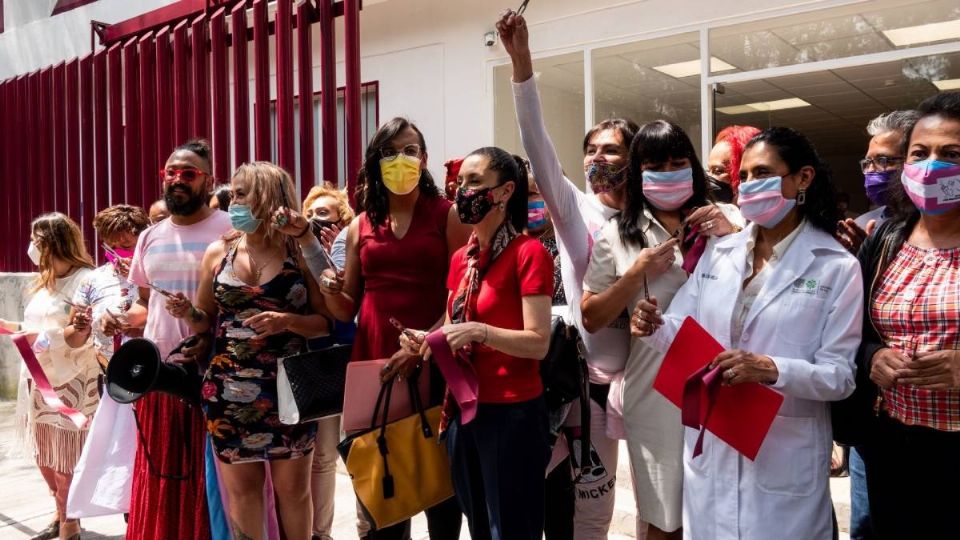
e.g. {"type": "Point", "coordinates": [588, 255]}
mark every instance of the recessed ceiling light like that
{"type": "Point", "coordinates": [924, 33]}
{"type": "Point", "coordinates": [687, 69]}
{"type": "Point", "coordinates": [764, 106]}
{"type": "Point", "coordinates": [947, 84]}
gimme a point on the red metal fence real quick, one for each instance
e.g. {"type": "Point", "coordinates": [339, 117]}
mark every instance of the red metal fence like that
{"type": "Point", "coordinates": [94, 131]}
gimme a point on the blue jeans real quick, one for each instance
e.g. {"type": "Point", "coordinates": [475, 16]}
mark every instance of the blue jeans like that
{"type": "Point", "coordinates": [859, 506]}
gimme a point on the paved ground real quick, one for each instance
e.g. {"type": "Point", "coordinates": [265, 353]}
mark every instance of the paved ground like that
{"type": "Point", "coordinates": [26, 507]}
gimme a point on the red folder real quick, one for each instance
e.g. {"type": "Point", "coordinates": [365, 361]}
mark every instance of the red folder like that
{"type": "Point", "coordinates": [739, 415]}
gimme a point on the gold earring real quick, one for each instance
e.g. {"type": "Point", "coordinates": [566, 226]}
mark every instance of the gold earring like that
{"type": "Point", "coordinates": [801, 197]}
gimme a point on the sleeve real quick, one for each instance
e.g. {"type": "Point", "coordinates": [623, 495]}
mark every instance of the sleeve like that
{"type": "Point", "coordinates": [684, 304]}
{"type": "Point", "coordinates": [338, 251]}
{"type": "Point", "coordinates": [733, 215]}
{"type": "Point", "coordinates": [830, 376]}
{"type": "Point", "coordinates": [138, 274]}
{"type": "Point", "coordinates": [84, 294]}
{"type": "Point", "coordinates": [315, 258]}
{"type": "Point", "coordinates": [534, 269]}
{"type": "Point", "coordinates": [601, 273]}
{"type": "Point", "coordinates": [560, 195]}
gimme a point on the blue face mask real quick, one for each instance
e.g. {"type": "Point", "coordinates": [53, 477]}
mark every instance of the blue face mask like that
{"type": "Point", "coordinates": [242, 218]}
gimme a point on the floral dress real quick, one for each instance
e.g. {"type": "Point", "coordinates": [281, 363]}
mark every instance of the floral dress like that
{"type": "Point", "coordinates": [240, 386]}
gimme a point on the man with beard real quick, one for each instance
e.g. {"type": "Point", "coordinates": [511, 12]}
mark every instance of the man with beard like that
{"type": "Point", "coordinates": [168, 499]}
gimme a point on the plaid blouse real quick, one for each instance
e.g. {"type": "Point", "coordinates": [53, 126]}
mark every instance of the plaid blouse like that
{"type": "Point", "coordinates": [916, 307]}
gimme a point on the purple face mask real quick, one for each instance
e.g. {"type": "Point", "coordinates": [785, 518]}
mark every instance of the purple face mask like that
{"type": "Point", "coordinates": [877, 183]}
{"type": "Point", "coordinates": [932, 185]}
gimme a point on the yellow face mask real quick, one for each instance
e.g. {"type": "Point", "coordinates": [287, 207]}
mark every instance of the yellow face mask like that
{"type": "Point", "coordinates": [400, 174]}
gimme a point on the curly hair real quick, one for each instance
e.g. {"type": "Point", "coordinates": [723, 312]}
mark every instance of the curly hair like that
{"type": "Point", "coordinates": [56, 235]}
{"type": "Point", "coordinates": [736, 138]}
{"type": "Point", "coordinates": [509, 167]}
{"type": "Point", "coordinates": [120, 218]}
{"type": "Point", "coordinates": [796, 150]}
{"type": "Point", "coordinates": [329, 190]}
{"type": "Point", "coordinates": [376, 202]}
{"type": "Point", "coordinates": [656, 142]}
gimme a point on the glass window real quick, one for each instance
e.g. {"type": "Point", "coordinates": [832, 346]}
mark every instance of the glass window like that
{"type": "Point", "coordinates": [863, 28]}
{"type": "Point", "coordinates": [650, 80]}
{"type": "Point", "coordinates": [560, 81]}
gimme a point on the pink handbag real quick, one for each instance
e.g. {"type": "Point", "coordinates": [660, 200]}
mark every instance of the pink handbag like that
{"type": "Point", "coordinates": [361, 390]}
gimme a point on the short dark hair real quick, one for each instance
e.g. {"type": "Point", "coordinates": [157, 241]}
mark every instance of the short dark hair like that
{"type": "Point", "coordinates": [656, 142]}
{"type": "Point", "coordinates": [376, 202]}
{"type": "Point", "coordinates": [200, 147]}
{"type": "Point", "coordinates": [624, 126]}
{"type": "Point", "coordinates": [509, 167]}
{"type": "Point", "coordinates": [796, 150]}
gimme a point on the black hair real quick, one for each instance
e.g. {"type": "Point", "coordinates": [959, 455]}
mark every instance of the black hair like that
{"type": "Point", "coordinates": [509, 167]}
{"type": "Point", "coordinates": [624, 126]}
{"type": "Point", "coordinates": [222, 194]}
{"type": "Point", "coordinates": [656, 142]}
{"type": "Point", "coordinates": [945, 104]}
{"type": "Point", "coordinates": [200, 147]}
{"type": "Point", "coordinates": [376, 202]}
{"type": "Point", "coordinates": [796, 150]}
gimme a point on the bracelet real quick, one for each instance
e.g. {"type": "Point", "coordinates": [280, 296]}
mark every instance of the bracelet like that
{"type": "Point", "coordinates": [306, 228]}
{"type": "Point", "coordinates": [486, 332]}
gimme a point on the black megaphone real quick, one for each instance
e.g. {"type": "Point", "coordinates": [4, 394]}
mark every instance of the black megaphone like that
{"type": "Point", "coordinates": [136, 369]}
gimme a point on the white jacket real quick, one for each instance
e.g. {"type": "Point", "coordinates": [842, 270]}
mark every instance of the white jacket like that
{"type": "Point", "coordinates": [807, 318]}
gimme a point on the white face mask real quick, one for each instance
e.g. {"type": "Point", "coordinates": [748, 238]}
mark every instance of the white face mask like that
{"type": "Point", "coordinates": [34, 253]}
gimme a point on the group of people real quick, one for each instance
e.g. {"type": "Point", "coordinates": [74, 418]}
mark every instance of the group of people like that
{"type": "Point", "coordinates": [820, 308]}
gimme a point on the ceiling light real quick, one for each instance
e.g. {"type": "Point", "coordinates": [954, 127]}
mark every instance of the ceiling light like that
{"type": "Point", "coordinates": [924, 33]}
{"type": "Point", "coordinates": [687, 69]}
{"type": "Point", "coordinates": [947, 84]}
{"type": "Point", "coordinates": [764, 106]}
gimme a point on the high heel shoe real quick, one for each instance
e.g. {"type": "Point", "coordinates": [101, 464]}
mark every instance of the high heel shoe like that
{"type": "Point", "coordinates": [52, 531]}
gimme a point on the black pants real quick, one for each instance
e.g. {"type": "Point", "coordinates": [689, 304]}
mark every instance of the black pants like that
{"type": "Point", "coordinates": [912, 478]}
{"type": "Point", "coordinates": [499, 461]}
{"type": "Point", "coordinates": [559, 503]}
{"type": "Point", "coordinates": [443, 522]}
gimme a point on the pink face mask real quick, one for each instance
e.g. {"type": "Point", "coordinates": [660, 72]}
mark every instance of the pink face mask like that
{"type": "Point", "coordinates": [932, 185]}
{"type": "Point", "coordinates": [762, 202]}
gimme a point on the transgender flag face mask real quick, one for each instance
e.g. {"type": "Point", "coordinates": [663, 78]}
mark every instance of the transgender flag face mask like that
{"type": "Point", "coordinates": [933, 186]}
{"type": "Point", "coordinates": [762, 201]}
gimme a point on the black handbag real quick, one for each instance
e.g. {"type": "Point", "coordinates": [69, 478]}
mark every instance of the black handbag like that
{"type": "Point", "coordinates": [565, 378]}
{"type": "Point", "coordinates": [310, 385]}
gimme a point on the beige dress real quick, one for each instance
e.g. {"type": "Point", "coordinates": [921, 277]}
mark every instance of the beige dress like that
{"type": "Point", "coordinates": [652, 423]}
{"type": "Point", "coordinates": [73, 373]}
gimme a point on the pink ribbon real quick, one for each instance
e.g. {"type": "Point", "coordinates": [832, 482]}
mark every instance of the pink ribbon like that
{"type": "Point", "coordinates": [699, 395]}
{"type": "Point", "coordinates": [46, 390]}
{"type": "Point", "coordinates": [459, 373]}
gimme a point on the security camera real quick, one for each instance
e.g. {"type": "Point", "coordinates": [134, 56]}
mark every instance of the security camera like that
{"type": "Point", "coordinates": [490, 39]}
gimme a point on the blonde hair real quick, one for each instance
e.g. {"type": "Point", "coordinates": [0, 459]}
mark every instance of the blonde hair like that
{"type": "Point", "coordinates": [268, 188]}
{"type": "Point", "coordinates": [57, 236]}
{"type": "Point", "coordinates": [120, 218]}
{"type": "Point", "coordinates": [328, 190]}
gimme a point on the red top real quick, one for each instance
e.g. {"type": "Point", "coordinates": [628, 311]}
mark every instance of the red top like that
{"type": "Point", "coordinates": [523, 269]}
{"type": "Point", "coordinates": [916, 306]}
{"type": "Point", "coordinates": [402, 278]}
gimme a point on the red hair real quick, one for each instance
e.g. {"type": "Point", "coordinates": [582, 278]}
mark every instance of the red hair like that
{"type": "Point", "coordinates": [737, 137]}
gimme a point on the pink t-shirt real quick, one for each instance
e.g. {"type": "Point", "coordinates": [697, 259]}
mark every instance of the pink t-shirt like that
{"type": "Point", "coordinates": [169, 256]}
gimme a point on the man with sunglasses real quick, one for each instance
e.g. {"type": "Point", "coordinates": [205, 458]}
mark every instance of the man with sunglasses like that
{"type": "Point", "coordinates": [882, 164]}
{"type": "Point", "coordinates": [166, 263]}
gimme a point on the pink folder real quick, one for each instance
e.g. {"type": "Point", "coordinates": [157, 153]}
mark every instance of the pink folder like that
{"type": "Point", "coordinates": [362, 387]}
{"type": "Point", "coordinates": [739, 415]}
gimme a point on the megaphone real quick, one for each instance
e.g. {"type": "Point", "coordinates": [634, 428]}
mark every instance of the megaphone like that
{"type": "Point", "coordinates": [136, 369]}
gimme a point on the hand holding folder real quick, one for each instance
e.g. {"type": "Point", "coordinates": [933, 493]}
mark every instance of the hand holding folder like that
{"type": "Point", "coordinates": [740, 414]}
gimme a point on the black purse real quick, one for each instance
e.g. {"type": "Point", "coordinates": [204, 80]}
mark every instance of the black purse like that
{"type": "Point", "coordinates": [310, 385]}
{"type": "Point", "coordinates": [565, 379]}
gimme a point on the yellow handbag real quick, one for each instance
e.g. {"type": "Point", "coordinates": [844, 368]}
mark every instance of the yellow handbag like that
{"type": "Point", "coordinates": [398, 468]}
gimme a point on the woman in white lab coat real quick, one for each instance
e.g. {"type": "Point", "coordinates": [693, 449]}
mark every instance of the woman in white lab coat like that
{"type": "Point", "coordinates": [785, 299]}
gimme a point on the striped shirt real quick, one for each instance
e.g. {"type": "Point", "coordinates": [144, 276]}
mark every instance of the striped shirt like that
{"type": "Point", "coordinates": [916, 307]}
{"type": "Point", "coordinates": [169, 256]}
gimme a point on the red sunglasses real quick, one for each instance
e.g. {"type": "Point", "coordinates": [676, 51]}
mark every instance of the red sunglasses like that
{"type": "Point", "coordinates": [188, 174]}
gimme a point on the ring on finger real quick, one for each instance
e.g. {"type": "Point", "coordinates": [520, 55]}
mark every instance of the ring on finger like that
{"type": "Point", "coordinates": [708, 224]}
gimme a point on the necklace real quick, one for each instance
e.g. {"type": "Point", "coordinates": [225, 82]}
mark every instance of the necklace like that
{"type": "Point", "coordinates": [257, 269]}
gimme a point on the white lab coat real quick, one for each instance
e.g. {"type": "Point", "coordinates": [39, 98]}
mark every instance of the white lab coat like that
{"type": "Point", "coordinates": [807, 318]}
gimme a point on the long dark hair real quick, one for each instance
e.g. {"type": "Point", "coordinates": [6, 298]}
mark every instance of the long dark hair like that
{"type": "Point", "coordinates": [945, 104]}
{"type": "Point", "coordinates": [509, 167]}
{"type": "Point", "coordinates": [796, 150]}
{"type": "Point", "coordinates": [376, 202]}
{"type": "Point", "coordinates": [656, 142]}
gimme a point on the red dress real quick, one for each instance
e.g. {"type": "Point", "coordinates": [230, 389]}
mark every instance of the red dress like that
{"type": "Point", "coordinates": [403, 278]}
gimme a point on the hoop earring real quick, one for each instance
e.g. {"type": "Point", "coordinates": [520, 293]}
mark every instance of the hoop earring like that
{"type": "Point", "coordinates": [801, 197]}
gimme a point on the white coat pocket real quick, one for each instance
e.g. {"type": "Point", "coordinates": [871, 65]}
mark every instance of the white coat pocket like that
{"type": "Point", "coordinates": [799, 321]}
{"type": "Point", "coordinates": [786, 464]}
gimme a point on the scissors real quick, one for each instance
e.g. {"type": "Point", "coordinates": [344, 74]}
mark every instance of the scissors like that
{"type": "Point", "coordinates": [404, 330]}
{"type": "Point", "coordinates": [168, 294]}
{"type": "Point", "coordinates": [523, 7]}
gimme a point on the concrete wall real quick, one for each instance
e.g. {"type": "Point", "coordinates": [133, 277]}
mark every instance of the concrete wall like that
{"type": "Point", "coordinates": [13, 298]}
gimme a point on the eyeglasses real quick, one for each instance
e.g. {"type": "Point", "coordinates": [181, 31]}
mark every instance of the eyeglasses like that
{"type": "Point", "coordinates": [879, 163]}
{"type": "Point", "coordinates": [188, 174]}
{"type": "Point", "coordinates": [410, 150]}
